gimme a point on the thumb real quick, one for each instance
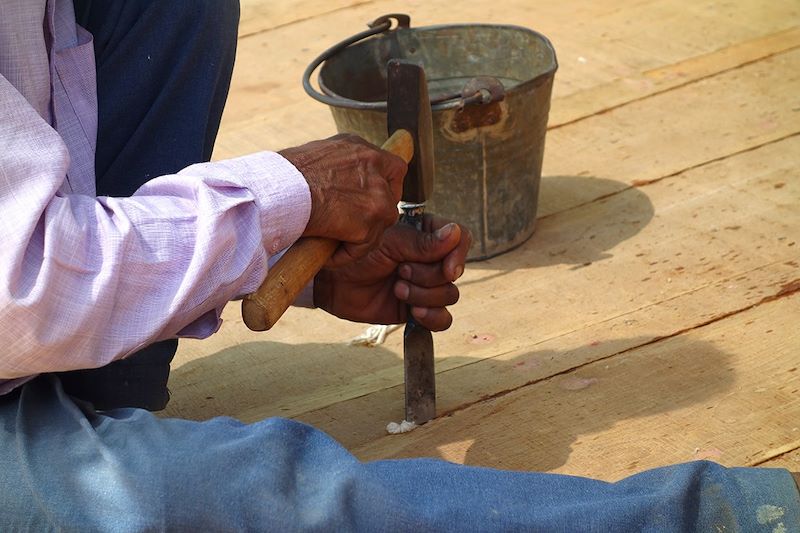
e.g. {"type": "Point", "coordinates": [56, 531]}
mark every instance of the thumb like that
{"type": "Point", "coordinates": [410, 245]}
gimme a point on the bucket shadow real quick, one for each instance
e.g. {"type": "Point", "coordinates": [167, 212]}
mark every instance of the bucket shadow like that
{"type": "Point", "coordinates": [543, 421]}
{"type": "Point", "coordinates": [577, 235]}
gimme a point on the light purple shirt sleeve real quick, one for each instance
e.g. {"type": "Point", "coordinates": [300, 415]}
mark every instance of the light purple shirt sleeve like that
{"type": "Point", "coordinates": [88, 280]}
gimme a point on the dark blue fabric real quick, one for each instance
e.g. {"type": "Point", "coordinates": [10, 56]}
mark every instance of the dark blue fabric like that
{"type": "Point", "coordinates": [163, 72]}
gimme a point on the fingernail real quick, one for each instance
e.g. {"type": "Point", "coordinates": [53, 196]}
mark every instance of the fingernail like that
{"type": "Point", "coordinates": [419, 312]}
{"type": "Point", "coordinates": [405, 271]}
{"type": "Point", "coordinates": [401, 290]}
{"type": "Point", "coordinates": [459, 271]}
{"type": "Point", "coordinates": [445, 231]}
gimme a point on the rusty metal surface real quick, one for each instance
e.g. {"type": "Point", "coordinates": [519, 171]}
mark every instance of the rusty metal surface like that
{"type": "Point", "coordinates": [488, 155]}
{"type": "Point", "coordinates": [409, 108]}
{"type": "Point", "coordinates": [420, 377]}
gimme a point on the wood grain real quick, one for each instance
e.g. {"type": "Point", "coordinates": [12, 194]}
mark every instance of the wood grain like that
{"type": "Point", "coordinates": [651, 318]}
{"type": "Point", "coordinates": [609, 45]}
{"type": "Point", "coordinates": [263, 15]}
{"type": "Point", "coordinates": [716, 392]}
{"type": "Point", "coordinates": [789, 460]}
{"type": "Point", "coordinates": [656, 262]}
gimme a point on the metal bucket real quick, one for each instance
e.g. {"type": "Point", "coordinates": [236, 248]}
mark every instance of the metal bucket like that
{"type": "Point", "coordinates": [490, 89]}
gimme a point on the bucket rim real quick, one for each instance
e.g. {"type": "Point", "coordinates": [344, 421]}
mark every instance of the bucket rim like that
{"type": "Point", "coordinates": [333, 99]}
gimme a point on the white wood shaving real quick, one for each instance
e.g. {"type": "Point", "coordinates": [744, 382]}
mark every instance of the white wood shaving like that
{"type": "Point", "coordinates": [374, 335]}
{"type": "Point", "coordinates": [393, 428]}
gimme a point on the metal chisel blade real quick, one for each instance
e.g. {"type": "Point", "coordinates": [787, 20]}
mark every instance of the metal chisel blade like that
{"type": "Point", "coordinates": [419, 373]}
{"type": "Point", "coordinates": [409, 108]}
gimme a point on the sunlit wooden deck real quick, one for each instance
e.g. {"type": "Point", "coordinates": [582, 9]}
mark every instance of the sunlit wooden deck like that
{"type": "Point", "coordinates": [653, 318]}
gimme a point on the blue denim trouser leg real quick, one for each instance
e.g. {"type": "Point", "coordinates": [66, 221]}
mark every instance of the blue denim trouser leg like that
{"type": "Point", "coordinates": [163, 71]}
{"type": "Point", "coordinates": [63, 466]}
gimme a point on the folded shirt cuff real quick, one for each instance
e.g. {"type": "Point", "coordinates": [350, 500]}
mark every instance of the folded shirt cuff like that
{"type": "Point", "coordinates": [284, 200]}
{"type": "Point", "coordinates": [281, 193]}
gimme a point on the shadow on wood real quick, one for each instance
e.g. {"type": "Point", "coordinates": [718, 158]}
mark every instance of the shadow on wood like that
{"type": "Point", "coordinates": [542, 421]}
{"type": "Point", "coordinates": [254, 380]}
{"type": "Point", "coordinates": [714, 392]}
{"type": "Point", "coordinates": [545, 417]}
{"type": "Point", "coordinates": [581, 235]}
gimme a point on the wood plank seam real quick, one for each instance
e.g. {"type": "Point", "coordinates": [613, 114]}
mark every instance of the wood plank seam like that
{"type": "Point", "coordinates": [789, 289]}
{"type": "Point", "coordinates": [662, 301]}
{"type": "Point", "coordinates": [675, 430]}
{"type": "Point", "coordinates": [640, 183]}
{"type": "Point", "coordinates": [778, 453]}
{"type": "Point", "coordinates": [727, 58]}
{"type": "Point", "coordinates": [715, 170]}
{"type": "Point", "coordinates": [303, 19]}
{"type": "Point", "coordinates": [643, 183]}
{"type": "Point", "coordinates": [628, 77]}
{"type": "Point", "coordinates": [745, 62]}
{"type": "Point", "coordinates": [793, 288]}
{"type": "Point", "coordinates": [785, 292]}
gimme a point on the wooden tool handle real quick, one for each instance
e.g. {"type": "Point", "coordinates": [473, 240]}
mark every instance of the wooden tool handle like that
{"type": "Point", "coordinates": [295, 269]}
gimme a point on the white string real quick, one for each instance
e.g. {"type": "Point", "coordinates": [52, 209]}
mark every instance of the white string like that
{"type": "Point", "coordinates": [393, 428]}
{"type": "Point", "coordinates": [374, 335]}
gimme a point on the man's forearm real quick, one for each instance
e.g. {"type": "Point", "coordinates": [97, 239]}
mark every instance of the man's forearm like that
{"type": "Point", "coordinates": [91, 279]}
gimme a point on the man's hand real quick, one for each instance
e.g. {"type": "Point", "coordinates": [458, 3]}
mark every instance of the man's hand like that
{"type": "Point", "coordinates": [355, 188]}
{"type": "Point", "coordinates": [408, 267]}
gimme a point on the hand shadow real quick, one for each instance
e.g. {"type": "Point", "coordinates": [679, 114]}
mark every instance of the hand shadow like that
{"type": "Point", "coordinates": [542, 420]}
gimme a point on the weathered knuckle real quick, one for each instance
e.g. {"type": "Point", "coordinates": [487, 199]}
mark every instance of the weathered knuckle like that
{"type": "Point", "coordinates": [341, 138]}
{"type": "Point", "coordinates": [373, 213]}
{"type": "Point", "coordinates": [453, 294]}
{"type": "Point", "coordinates": [352, 252]}
{"type": "Point", "coordinates": [448, 321]}
{"type": "Point", "coordinates": [430, 277]}
{"type": "Point", "coordinates": [390, 217]}
{"type": "Point", "coordinates": [442, 321]}
{"type": "Point", "coordinates": [364, 234]}
{"type": "Point", "coordinates": [400, 165]}
{"type": "Point", "coordinates": [382, 211]}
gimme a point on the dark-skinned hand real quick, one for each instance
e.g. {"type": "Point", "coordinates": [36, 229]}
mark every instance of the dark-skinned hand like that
{"type": "Point", "coordinates": [355, 187]}
{"type": "Point", "coordinates": [408, 267]}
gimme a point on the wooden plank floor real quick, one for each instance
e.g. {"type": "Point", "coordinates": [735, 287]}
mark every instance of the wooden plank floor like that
{"type": "Point", "coordinates": [651, 319]}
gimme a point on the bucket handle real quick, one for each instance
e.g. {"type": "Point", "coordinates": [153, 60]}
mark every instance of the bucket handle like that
{"type": "Point", "coordinates": [481, 95]}
{"type": "Point", "coordinates": [379, 25]}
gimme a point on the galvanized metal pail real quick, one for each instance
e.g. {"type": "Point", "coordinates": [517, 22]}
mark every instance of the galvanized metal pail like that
{"type": "Point", "coordinates": [490, 89]}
